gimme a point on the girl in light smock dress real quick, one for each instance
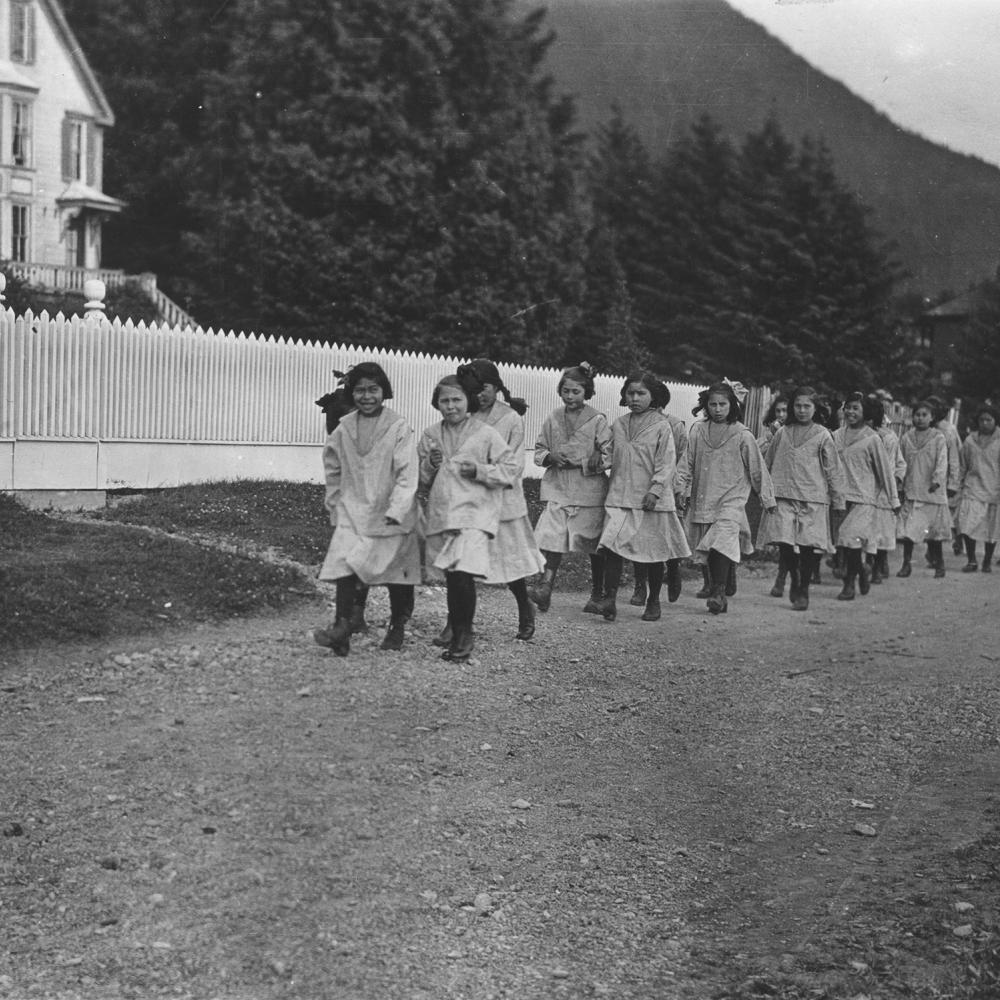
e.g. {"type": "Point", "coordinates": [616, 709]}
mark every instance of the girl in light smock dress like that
{"type": "Point", "coordinates": [869, 492]}
{"type": "Point", "coordinates": [641, 522]}
{"type": "Point", "coordinates": [514, 555]}
{"type": "Point", "coordinates": [574, 448]}
{"type": "Point", "coordinates": [370, 461]}
{"type": "Point", "coordinates": [924, 515]}
{"type": "Point", "coordinates": [465, 466]}
{"type": "Point", "coordinates": [721, 465]}
{"type": "Point", "coordinates": [979, 492]}
{"type": "Point", "coordinates": [806, 473]}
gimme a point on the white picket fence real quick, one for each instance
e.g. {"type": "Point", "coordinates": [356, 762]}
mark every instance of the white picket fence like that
{"type": "Point", "coordinates": [88, 404]}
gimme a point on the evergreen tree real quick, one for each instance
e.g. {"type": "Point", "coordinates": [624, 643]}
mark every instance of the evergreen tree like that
{"type": "Point", "coordinates": [353, 170]}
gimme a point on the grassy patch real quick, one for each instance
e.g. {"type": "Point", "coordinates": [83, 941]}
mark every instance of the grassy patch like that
{"type": "Point", "coordinates": [286, 517]}
{"type": "Point", "coordinates": [63, 580]}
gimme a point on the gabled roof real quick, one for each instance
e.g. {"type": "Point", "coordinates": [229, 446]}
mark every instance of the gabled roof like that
{"type": "Point", "coordinates": [105, 116]}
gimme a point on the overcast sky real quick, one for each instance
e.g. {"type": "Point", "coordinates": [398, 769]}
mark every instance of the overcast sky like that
{"type": "Point", "coordinates": [933, 66]}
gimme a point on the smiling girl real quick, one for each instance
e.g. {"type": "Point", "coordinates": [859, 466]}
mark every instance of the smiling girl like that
{"type": "Point", "coordinates": [371, 486]}
{"type": "Point", "coordinates": [641, 522]}
{"type": "Point", "coordinates": [465, 466]}
{"type": "Point", "coordinates": [574, 448]}
{"type": "Point", "coordinates": [514, 554]}
{"type": "Point", "coordinates": [807, 476]}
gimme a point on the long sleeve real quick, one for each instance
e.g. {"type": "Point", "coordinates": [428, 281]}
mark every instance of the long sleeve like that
{"type": "Point", "coordinates": [501, 467]}
{"type": "Point", "coordinates": [833, 472]}
{"type": "Point", "coordinates": [664, 468]}
{"type": "Point", "coordinates": [543, 443]}
{"type": "Point", "coordinates": [685, 469]}
{"type": "Point", "coordinates": [332, 475]}
{"type": "Point", "coordinates": [602, 448]}
{"type": "Point", "coordinates": [428, 440]}
{"type": "Point", "coordinates": [406, 467]}
{"type": "Point", "coordinates": [885, 475]}
{"type": "Point", "coordinates": [760, 478]}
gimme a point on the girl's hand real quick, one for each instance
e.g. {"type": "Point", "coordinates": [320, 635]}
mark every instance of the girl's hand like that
{"type": "Point", "coordinates": [435, 457]}
{"type": "Point", "coordinates": [467, 470]}
{"type": "Point", "coordinates": [563, 461]}
{"type": "Point", "coordinates": [681, 502]}
{"type": "Point", "coordinates": [594, 463]}
{"type": "Point", "coordinates": [649, 501]}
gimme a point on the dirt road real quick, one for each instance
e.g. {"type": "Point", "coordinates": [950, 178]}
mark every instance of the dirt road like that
{"type": "Point", "coordinates": [764, 803]}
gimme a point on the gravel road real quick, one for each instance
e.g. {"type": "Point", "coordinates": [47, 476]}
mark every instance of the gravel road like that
{"type": "Point", "coordinates": [764, 803]}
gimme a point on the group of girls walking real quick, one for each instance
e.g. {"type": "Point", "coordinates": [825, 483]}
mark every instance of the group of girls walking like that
{"type": "Point", "coordinates": [633, 513]}
{"type": "Point", "coordinates": [619, 492]}
{"type": "Point", "coordinates": [475, 525]}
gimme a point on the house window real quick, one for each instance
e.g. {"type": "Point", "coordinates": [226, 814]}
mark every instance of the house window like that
{"type": "Point", "coordinates": [19, 233]}
{"type": "Point", "coordinates": [22, 31]}
{"type": "Point", "coordinates": [21, 133]}
{"type": "Point", "coordinates": [74, 149]}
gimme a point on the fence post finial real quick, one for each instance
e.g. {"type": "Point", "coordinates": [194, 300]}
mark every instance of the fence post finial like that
{"type": "Point", "coordinates": [94, 289]}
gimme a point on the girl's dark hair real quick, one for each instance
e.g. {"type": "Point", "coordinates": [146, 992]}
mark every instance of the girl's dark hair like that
{"type": "Point", "coordinates": [487, 373]}
{"type": "Point", "coordinates": [924, 404]}
{"type": "Point", "coordinates": [939, 410]}
{"type": "Point", "coordinates": [722, 389]}
{"type": "Point", "coordinates": [868, 407]}
{"type": "Point", "coordinates": [465, 381]}
{"type": "Point", "coordinates": [875, 411]}
{"type": "Point", "coordinates": [582, 373]}
{"type": "Point", "coordinates": [771, 415]}
{"type": "Point", "coordinates": [368, 369]}
{"type": "Point", "coordinates": [335, 406]}
{"type": "Point", "coordinates": [986, 408]}
{"type": "Point", "coordinates": [659, 392]}
{"type": "Point", "coordinates": [822, 414]}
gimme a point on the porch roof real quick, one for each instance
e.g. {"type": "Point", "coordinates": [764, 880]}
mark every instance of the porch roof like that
{"type": "Point", "coordinates": [80, 195]}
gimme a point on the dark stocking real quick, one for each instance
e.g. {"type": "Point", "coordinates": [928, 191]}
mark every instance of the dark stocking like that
{"type": "Point", "coordinates": [525, 609]}
{"type": "Point", "coordinates": [988, 549]}
{"type": "Point", "coordinates": [461, 612]}
{"type": "Point", "coordinates": [789, 558]}
{"type": "Point", "coordinates": [346, 587]}
{"type": "Point", "coordinates": [553, 560]}
{"type": "Point", "coordinates": [400, 601]}
{"type": "Point", "coordinates": [654, 575]}
{"type": "Point", "coordinates": [718, 571]}
{"type": "Point", "coordinates": [970, 549]}
{"type": "Point", "coordinates": [935, 551]}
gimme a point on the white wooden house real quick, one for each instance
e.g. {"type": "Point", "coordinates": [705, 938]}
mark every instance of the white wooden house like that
{"type": "Point", "coordinates": [53, 114]}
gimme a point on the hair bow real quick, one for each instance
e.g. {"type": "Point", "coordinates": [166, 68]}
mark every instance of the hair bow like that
{"type": "Point", "coordinates": [740, 391]}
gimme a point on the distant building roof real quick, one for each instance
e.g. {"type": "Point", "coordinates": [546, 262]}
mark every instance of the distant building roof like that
{"type": "Point", "coordinates": [959, 307]}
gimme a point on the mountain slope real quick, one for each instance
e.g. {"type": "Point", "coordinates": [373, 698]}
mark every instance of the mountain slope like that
{"type": "Point", "coordinates": [666, 62]}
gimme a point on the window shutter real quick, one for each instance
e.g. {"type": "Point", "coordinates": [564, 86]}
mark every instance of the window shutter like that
{"type": "Point", "coordinates": [30, 28]}
{"type": "Point", "coordinates": [67, 161]}
{"type": "Point", "coordinates": [91, 130]}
